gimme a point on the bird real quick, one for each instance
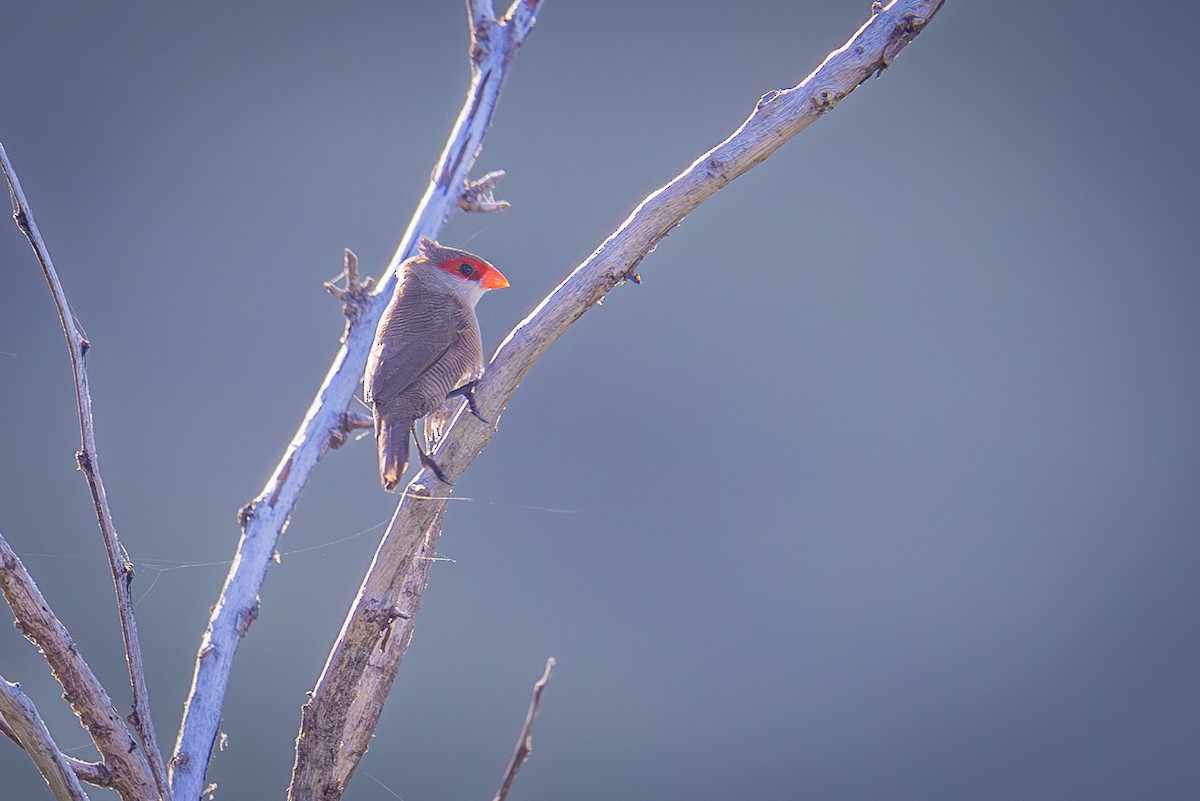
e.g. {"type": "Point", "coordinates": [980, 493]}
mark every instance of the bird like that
{"type": "Point", "coordinates": [427, 349]}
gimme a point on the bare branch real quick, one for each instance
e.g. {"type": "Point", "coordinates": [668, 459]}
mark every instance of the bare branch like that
{"type": "Point", "coordinates": [778, 116]}
{"type": "Point", "coordinates": [525, 741]}
{"type": "Point", "coordinates": [480, 12]}
{"type": "Point", "coordinates": [373, 638]}
{"type": "Point", "coordinates": [334, 734]}
{"type": "Point", "coordinates": [7, 730]}
{"type": "Point", "coordinates": [130, 773]}
{"type": "Point", "coordinates": [481, 16]}
{"type": "Point", "coordinates": [88, 459]}
{"type": "Point", "coordinates": [382, 653]}
{"type": "Point", "coordinates": [264, 518]}
{"type": "Point", "coordinates": [31, 732]}
{"type": "Point", "coordinates": [90, 772]}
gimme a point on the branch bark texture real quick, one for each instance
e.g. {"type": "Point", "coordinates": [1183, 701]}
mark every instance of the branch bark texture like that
{"type": "Point", "coordinates": [90, 772]}
{"type": "Point", "coordinates": [34, 737]}
{"type": "Point", "coordinates": [494, 42]}
{"type": "Point", "coordinates": [378, 628]}
{"type": "Point", "coordinates": [129, 772]}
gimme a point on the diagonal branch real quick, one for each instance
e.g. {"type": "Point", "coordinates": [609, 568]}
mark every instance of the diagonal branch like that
{"type": "Point", "coordinates": [327, 751]}
{"type": "Point", "coordinates": [31, 732]}
{"type": "Point", "coordinates": [525, 741]}
{"type": "Point", "coordinates": [91, 772]}
{"type": "Point", "coordinates": [364, 660]}
{"type": "Point", "coordinates": [7, 730]}
{"type": "Point", "coordinates": [494, 44]}
{"type": "Point", "coordinates": [129, 773]}
{"type": "Point", "coordinates": [88, 459]}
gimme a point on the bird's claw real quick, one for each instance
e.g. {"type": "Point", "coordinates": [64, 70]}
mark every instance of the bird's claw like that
{"type": "Point", "coordinates": [427, 461]}
{"type": "Point", "coordinates": [468, 391]}
{"type": "Point", "coordinates": [427, 458]}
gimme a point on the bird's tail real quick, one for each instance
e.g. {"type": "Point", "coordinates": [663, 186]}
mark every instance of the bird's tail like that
{"type": "Point", "coordinates": [392, 441]}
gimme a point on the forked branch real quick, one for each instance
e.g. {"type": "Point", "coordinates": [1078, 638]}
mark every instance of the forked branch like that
{"type": "Point", "coordinates": [126, 766]}
{"type": "Point", "coordinates": [494, 43]}
{"type": "Point", "coordinates": [88, 459]}
{"type": "Point", "coordinates": [379, 626]}
{"type": "Point", "coordinates": [31, 733]}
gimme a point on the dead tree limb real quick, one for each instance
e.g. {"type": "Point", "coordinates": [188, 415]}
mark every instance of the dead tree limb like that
{"type": "Point", "coordinates": [88, 459]}
{"type": "Point", "coordinates": [364, 660]}
{"type": "Point", "coordinates": [31, 733]}
{"type": "Point", "coordinates": [128, 772]}
{"type": "Point", "coordinates": [494, 43]}
{"type": "Point", "coordinates": [90, 772]}
{"type": "Point", "coordinates": [525, 740]}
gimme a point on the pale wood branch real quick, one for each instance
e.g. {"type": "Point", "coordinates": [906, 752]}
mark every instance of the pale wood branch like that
{"type": "Point", "coordinates": [88, 459]}
{"type": "Point", "coordinates": [96, 773]}
{"type": "Point", "coordinates": [362, 664]}
{"type": "Point", "coordinates": [91, 772]}
{"type": "Point", "coordinates": [30, 731]}
{"type": "Point", "coordinates": [395, 629]}
{"type": "Point", "coordinates": [7, 730]}
{"type": "Point", "coordinates": [525, 740]}
{"type": "Point", "coordinates": [325, 423]}
{"type": "Point", "coordinates": [129, 773]}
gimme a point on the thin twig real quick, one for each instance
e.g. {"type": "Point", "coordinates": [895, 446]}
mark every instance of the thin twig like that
{"type": "Point", "coordinates": [88, 459]}
{"type": "Point", "coordinates": [34, 737]}
{"type": "Point", "coordinates": [363, 662]}
{"type": "Point", "coordinates": [264, 518]}
{"type": "Point", "coordinates": [525, 741]}
{"type": "Point", "coordinates": [129, 772]}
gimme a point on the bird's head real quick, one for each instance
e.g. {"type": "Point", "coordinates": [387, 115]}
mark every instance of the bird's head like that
{"type": "Point", "coordinates": [472, 275]}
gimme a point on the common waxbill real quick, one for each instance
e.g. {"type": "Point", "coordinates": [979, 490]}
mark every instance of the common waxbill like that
{"type": "Point", "coordinates": [426, 347]}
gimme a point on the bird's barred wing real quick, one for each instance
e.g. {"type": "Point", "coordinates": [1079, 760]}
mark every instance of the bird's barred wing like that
{"type": "Point", "coordinates": [418, 335]}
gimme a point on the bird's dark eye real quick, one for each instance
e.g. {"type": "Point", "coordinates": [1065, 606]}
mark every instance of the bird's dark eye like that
{"type": "Point", "coordinates": [466, 269]}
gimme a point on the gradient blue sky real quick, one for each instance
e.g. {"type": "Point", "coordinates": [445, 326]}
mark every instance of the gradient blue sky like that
{"type": "Point", "coordinates": [885, 483]}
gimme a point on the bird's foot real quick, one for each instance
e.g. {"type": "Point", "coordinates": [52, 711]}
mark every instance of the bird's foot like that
{"type": "Point", "coordinates": [427, 461]}
{"type": "Point", "coordinates": [468, 391]}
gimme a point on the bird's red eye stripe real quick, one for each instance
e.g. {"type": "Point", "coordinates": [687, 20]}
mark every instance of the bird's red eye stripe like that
{"type": "Point", "coordinates": [466, 268]}
{"type": "Point", "coordinates": [475, 270]}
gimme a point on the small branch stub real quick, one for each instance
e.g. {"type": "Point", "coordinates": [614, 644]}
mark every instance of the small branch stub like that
{"type": "Point", "coordinates": [478, 196]}
{"type": "Point", "coordinates": [356, 295]}
{"type": "Point", "coordinates": [351, 422]}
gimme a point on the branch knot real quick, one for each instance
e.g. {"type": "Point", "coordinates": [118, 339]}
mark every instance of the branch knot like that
{"type": "Point", "coordinates": [825, 100]}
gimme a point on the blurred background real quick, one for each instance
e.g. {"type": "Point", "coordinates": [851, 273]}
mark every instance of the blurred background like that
{"type": "Point", "coordinates": [883, 484]}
